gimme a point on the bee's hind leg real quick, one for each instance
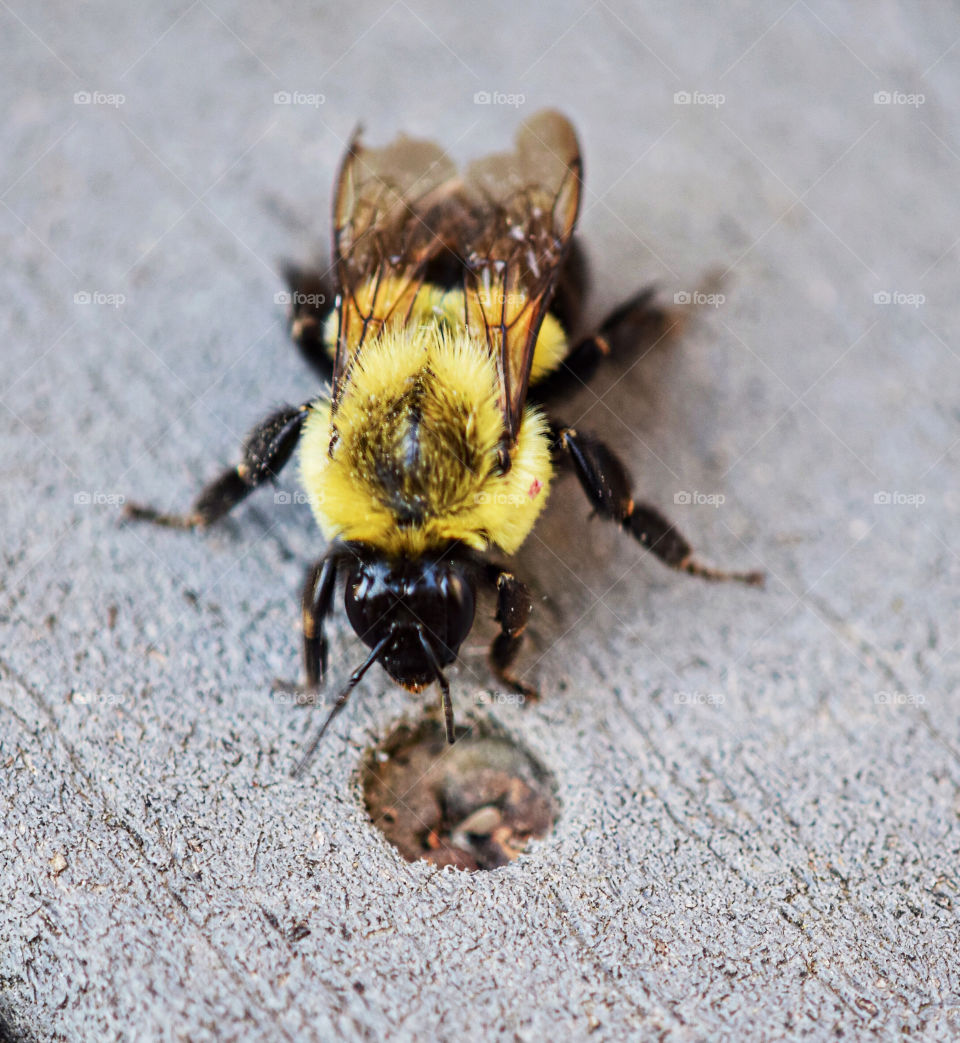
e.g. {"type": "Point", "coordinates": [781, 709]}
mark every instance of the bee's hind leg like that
{"type": "Point", "coordinates": [607, 485]}
{"type": "Point", "coordinates": [265, 450]}
{"type": "Point", "coordinates": [647, 324]}
{"type": "Point", "coordinates": [514, 605]}
{"type": "Point", "coordinates": [311, 300]}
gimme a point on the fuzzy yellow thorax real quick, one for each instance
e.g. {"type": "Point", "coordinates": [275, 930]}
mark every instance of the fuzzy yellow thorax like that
{"type": "Point", "coordinates": [409, 461]}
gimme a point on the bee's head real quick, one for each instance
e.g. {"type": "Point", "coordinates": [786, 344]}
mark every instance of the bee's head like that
{"type": "Point", "coordinates": [420, 610]}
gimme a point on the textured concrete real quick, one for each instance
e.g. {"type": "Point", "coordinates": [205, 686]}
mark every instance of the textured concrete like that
{"type": "Point", "coordinates": [758, 833]}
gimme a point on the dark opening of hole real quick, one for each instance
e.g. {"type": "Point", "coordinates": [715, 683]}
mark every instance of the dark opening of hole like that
{"type": "Point", "coordinates": [473, 805]}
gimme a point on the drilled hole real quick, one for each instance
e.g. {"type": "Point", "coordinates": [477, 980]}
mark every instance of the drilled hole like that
{"type": "Point", "coordinates": [474, 805]}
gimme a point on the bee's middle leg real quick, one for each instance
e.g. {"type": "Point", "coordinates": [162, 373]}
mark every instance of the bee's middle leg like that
{"type": "Point", "coordinates": [265, 451]}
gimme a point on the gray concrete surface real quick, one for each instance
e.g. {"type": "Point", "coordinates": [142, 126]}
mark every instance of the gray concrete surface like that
{"type": "Point", "coordinates": [759, 791]}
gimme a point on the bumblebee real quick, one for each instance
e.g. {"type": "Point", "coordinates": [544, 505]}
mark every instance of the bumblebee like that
{"type": "Point", "coordinates": [444, 339]}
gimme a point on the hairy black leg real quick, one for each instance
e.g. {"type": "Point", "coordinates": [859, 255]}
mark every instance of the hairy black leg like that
{"type": "Point", "coordinates": [514, 605]}
{"type": "Point", "coordinates": [266, 449]}
{"type": "Point", "coordinates": [646, 321]}
{"type": "Point", "coordinates": [312, 299]}
{"type": "Point", "coordinates": [608, 487]}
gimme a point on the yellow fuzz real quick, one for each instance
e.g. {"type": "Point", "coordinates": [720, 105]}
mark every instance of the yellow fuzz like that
{"type": "Point", "coordinates": [409, 463]}
{"type": "Point", "coordinates": [551, 349]}
{"type": "Point", "coordinates": [432, 305]}
{"type": "Point", "coordinates": [551, 346]}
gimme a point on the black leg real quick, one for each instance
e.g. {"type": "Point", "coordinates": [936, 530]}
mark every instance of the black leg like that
{"type": "Point", "coordinates": [574, 373]}
{"type": "Point", "coordinates": [312, 298]}
{"type": "Point", "coordinates": [266, 449]}
{"type": "Point", "coordinates": [513, 610]}
{"type": "Point", "coordinates": [315, 608]}
{"type": "Point", "coordinates": [316, 602]}
{"type": "Point", "coordinates": [646, 321]}
{"type": "Point", "coordinates": [608, 487]}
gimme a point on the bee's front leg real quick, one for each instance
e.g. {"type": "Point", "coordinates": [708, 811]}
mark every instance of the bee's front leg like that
{"type": "Point", "coordinates": [266, 449]}
{"type": "Point", "coordinates": [315, 605]}
{"type": "Point", "coordinates": [514, 605]}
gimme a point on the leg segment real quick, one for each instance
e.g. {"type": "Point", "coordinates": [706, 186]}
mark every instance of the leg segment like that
{"type": "Point", "coordinates": [266, 449]}
{"type": "Point", "coordinates": [607, 485]}
{"type": "Point", "coordinates": [315, 607]}
{"type": "Point", "coordinates": [646, 320]}
{"type": "Point", "coordinates": [513, 610]}
{"type": "Point", "coordinates": [311, 300]}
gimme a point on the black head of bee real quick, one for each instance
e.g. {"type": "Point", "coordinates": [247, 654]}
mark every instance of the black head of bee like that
{"type": "Point", "coordinates": [417, 613]}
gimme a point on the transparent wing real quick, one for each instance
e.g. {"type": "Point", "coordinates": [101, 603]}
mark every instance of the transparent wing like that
{"type": "Point", "coordinates": [508, 222]}
{"type": "Point", "coordinates": [387, 217]}
{"type": "Point", "coordinates": [521, 209]}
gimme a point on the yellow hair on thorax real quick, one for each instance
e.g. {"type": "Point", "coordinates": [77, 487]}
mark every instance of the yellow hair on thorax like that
{"type": "Point", "coordinates": [432, 305]}
{"type": "Point", "coordinates": [409, 462]}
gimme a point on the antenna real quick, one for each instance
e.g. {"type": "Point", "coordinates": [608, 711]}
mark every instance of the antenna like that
{"type": "Point", "coordinates": [355, 679]}
{"type": "Point", "coordinates": [444, 686]}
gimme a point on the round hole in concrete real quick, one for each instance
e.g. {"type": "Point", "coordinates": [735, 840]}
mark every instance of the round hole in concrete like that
{"type": "Point", "coordinates": [473, 805]}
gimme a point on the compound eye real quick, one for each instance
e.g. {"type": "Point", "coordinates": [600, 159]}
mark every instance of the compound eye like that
{"type": "Point", "coordinates": [367, 600]}
{"type": "Point", "coordinates": [460, 608]}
